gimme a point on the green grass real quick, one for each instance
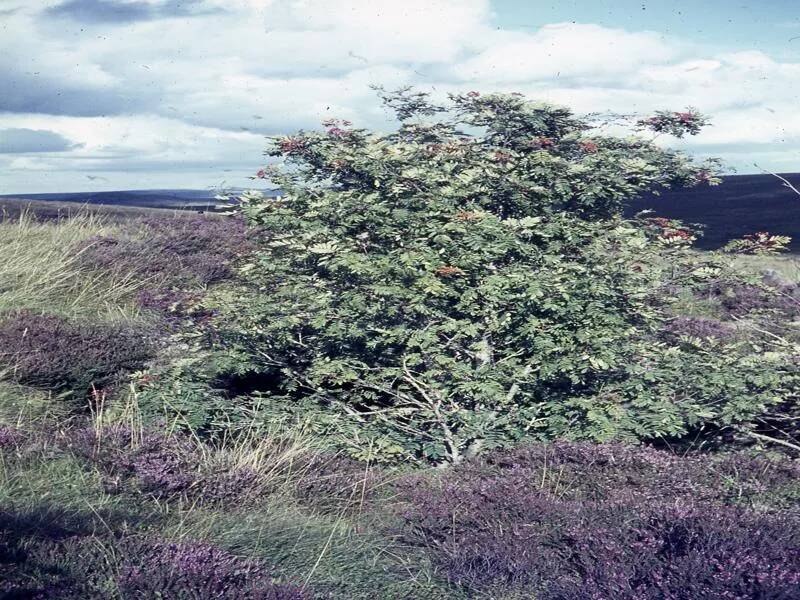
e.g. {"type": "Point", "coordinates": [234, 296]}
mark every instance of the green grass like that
{"type": "Point", "coordinates": [41, 270]}
{"type": "Point", "coordinates": [340, 553]}
{"type": "Point", "coordinates": [25, 407]}
{"type": "Point", "coordinates": [787, 266]}
{"type": "Point", "coordinates": [339, 556]}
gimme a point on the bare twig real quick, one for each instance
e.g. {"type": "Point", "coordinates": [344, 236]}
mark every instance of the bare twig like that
{"type": "Point", "coordinates": [766, 438]}
{"type": "Point", "coordinates": [435, 405]}
{"type": "Point", "coordinates": [786, 182]}
{"type": "Point", "coordinates": [512, 391]}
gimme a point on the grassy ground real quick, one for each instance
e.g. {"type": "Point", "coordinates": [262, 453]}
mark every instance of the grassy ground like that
{"type": "Point", "coordinates": [42, 269]}
{"type": "Point", "coordinates": [49, 488]}
{"type": "Point", "coordinates": [334, 552]}
{"type": "Point", "coordinates": [89, 492]}
{"type": "Point", "coordinates": [786, 266]}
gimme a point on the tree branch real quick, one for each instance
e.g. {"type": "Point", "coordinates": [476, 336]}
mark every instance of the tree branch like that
{"type": "Point", "coordinates": [766, 438]}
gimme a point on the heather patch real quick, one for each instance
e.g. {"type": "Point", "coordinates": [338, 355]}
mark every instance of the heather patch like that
{"type": "Point", "coordinates": [97, 483]}
{"type": "Point", "coordinates": [162, 466]}
{"type": "Point", "coordinates": [598, 472]}
{"type": "Point", "coordinates": [188, 248]}
{"type": "Point", "coordinates": [59, 565]}
{"type": "Point", "coordinates": [11, 437]}
{"type": "Point", "coordinates": [700, 327]}
{"type": "Point", "coordinates": [194, 570]}
{"type": "Point", "coordinates": [54, 353]}
{"type": "Point", "coordinates": [739, 299]}
{"type": "Point", "coordinates": [607, 522]}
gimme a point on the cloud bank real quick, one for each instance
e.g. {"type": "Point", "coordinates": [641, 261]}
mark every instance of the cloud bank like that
{"type": "Point", "coordinates": [155, 93]}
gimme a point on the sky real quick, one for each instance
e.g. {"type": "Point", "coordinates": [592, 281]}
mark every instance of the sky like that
{"type": "Point", "coordinates": [145, 94]}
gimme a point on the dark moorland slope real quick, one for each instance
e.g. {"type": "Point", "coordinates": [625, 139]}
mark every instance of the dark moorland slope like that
{"type": "Point", "coordinates": [174, 199]}
{"type": "Point", "coordinates": [742, 204]}
{"type": "Point", "coordinates": [48, 210]}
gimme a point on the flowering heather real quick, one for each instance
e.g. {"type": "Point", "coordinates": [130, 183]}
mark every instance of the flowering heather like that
{"type": "Point", "coordinates": [161, 466]}
{"type": "Point", "coordinates": [603, 471]}
{"type": "Point", "coordinates": [54, 353]}
{"type": "Point", "coordinates": [684, 553]}
{"type": "Point", "coordinates": [188, 248]}
{"type": "Point", "coordinates": [160, 569]}
{"type": "Point", "coordinates": [11, 437]}
{"type": "Point", "coordinates": [700, 327]}
{"type": "Point", "coordinates": [51, 565]}
{"type": "Point", "coordinates": [738, 299]}
{"type": "Point", "coordinates": [606, 522]}
{"type": "Point", "coordinates": [78, 567]}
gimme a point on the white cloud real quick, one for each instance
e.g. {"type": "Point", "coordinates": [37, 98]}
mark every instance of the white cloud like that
{"type": "Point", "coordinates": [166, 97]}
{"type": "Point", "coordinates": [132, 149]}
{"type": "Point", "coordinates": [565, 50]}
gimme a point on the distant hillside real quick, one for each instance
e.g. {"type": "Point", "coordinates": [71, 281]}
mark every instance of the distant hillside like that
{"type": "Point", "coordinates": [742, 204]}
{"type": "Point", "coordinates": [46, 210]}
{"type": "Point", "coordinates": [174, 199]}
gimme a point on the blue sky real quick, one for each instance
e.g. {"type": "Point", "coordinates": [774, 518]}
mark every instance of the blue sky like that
{"type": "Point", "coordinates": [123, 94]}
{"type": "Point", "coordinates": [766, 25]}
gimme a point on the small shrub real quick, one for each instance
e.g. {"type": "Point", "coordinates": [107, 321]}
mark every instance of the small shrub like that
{"type": "Point", "coordinates": [468, 281]}
{"type": "Point", "coordinates": [54, 353]}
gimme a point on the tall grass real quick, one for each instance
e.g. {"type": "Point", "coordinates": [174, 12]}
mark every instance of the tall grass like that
{"type": "Point", "coordinates": [786, 266]}
{"type": "Point", "coordinates": [41, 269]}
{"type": "Point", "coordinates": [57, 481]}
{"type": "Point", "coordinates": [26, 407]}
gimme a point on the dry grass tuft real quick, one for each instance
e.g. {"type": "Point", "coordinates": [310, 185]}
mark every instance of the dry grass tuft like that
{"type": "Point", "coordinates": [41, 269]}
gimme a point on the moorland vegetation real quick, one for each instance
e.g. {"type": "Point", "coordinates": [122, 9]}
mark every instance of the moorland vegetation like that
{"type": "Point", "coordinates": [442, 365]}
